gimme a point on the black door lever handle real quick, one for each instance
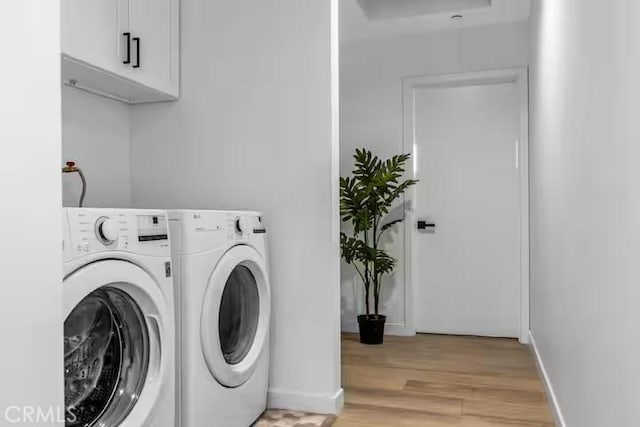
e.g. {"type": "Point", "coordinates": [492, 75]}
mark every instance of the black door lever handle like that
{"type": "Point", "coordinates": [423, 225]}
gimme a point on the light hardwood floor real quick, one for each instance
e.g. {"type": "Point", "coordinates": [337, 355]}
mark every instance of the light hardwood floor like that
{"type": "Point", "coordinates": [437, 380]}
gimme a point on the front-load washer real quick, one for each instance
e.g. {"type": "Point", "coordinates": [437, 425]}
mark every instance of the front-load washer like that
{"type": "Point", "coordinates": [223, 311]}
{"type": "Point", "coordinates": [119, 327]}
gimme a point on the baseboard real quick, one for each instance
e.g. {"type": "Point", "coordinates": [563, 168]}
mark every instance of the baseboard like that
{"type": "Point", "coordinates": [548, 388]}
{"type": "Point", "coordinates": [399, 329]}
{"type": "Point", "coordinates": [350, 327]}
{"type": "Point", "coordinates": [308, 402]}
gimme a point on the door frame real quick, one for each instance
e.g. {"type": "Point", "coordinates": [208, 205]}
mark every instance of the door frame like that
{"type": "Point", "coordinates": [520, 77]}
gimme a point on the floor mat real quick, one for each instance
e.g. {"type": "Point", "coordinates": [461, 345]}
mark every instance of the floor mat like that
{"type": "Point", "coordinates": [283, 418]}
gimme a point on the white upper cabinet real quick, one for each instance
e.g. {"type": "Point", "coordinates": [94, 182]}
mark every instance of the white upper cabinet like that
{"type": "Point", "coordinates": [124, 49]}
{"type": "Point", "coordinates": [152, 29]}
{"type": "Point", "coordinates": [90, 30]}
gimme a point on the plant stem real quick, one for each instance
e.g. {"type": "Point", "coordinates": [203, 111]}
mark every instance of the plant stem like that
{"type": "Point", "coordinates": [367, 276]}
{"type": "Point", "coordinates": [366, 299]}
{"type": "Point", "coordinates": [377, 295]}
{"type": "Point", "coordinates": [376, 286]}
{"type": "Point", "coordinates": [359, 272]}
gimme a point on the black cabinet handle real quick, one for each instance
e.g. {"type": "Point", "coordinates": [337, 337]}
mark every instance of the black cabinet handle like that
{"type": "Point", "coordinates": [137, 42]}
{"type": "Point", "coordinates": [423, 225]}
{"type": "Point", "coordinates": [128, 59]}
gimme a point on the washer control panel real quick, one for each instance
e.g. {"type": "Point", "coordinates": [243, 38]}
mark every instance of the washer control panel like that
{"type": "Point", "coordinates": [205, 230]}
{"type": "Point", "coordinates": [152, 228]}
{"type": "Point", "coordinates": [98, 230]}
{"type": "Point", "coordinates": [242, 225]}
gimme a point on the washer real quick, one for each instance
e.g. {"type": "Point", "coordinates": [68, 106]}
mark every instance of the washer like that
{"type": "Point", "coordinates": [119, 339]}
{"type": "Point", "coordinates": [223, 299]}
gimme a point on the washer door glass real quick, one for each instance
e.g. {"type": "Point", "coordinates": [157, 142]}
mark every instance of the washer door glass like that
{"type": "Point", "coordinates": [106, 357]}
{"type": "Point", "coordinates": [239, 314]}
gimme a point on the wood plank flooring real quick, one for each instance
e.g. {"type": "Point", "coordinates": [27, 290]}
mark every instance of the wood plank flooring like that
{"type": "Point", "coordinates": [438, 380]}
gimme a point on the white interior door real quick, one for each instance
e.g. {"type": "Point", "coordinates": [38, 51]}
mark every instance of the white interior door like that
{"type": "Point", "coordinates": [467, 267]}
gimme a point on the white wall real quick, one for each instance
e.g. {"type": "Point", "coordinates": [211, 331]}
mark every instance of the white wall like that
{"type": "Point", "coordinates": [96, 135]}
{"type": "Point", "coordinates": [31, 261]}
{"type": "Point", "coordinates": [253, 130]}
{"type": "Point", "coordinates": [585, 201]}
{"type": "Point", "coordinates": [371, 74]}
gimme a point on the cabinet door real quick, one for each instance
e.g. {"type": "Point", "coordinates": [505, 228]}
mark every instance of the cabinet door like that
{"type": "Point", "coordinates": [155, 24]}
{"type": "Point", "coordinates": [92, 31]}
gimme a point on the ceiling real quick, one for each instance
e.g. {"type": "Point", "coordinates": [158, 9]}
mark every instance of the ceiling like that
{"type": "Point", "coordinates": [380, 19]}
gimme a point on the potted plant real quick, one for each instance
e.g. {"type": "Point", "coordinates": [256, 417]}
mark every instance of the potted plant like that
{"type": "Point", "coordinates": [365, 199]}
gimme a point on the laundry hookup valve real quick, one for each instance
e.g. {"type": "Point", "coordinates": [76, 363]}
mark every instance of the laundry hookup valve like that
{"type": "Point", "coordinates": [72, 168]}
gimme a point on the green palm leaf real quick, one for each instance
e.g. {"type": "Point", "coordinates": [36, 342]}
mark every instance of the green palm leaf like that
{"type": "Point", "coordinates": [365, 198]}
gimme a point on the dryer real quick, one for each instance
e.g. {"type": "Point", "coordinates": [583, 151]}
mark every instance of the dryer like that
{"type": "Point", "coordinates": [223, 311]}
{"type": "Point", "coordinates": [119, 327]}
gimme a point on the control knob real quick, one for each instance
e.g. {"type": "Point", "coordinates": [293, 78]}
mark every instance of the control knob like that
{"type": "Point", "coordinates": [243, 225]}
{"type": "Point", "coordinates": [106, 230]}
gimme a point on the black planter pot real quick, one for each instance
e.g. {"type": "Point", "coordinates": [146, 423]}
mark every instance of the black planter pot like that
{"type": "Point", "coordinates": [371, 328]}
